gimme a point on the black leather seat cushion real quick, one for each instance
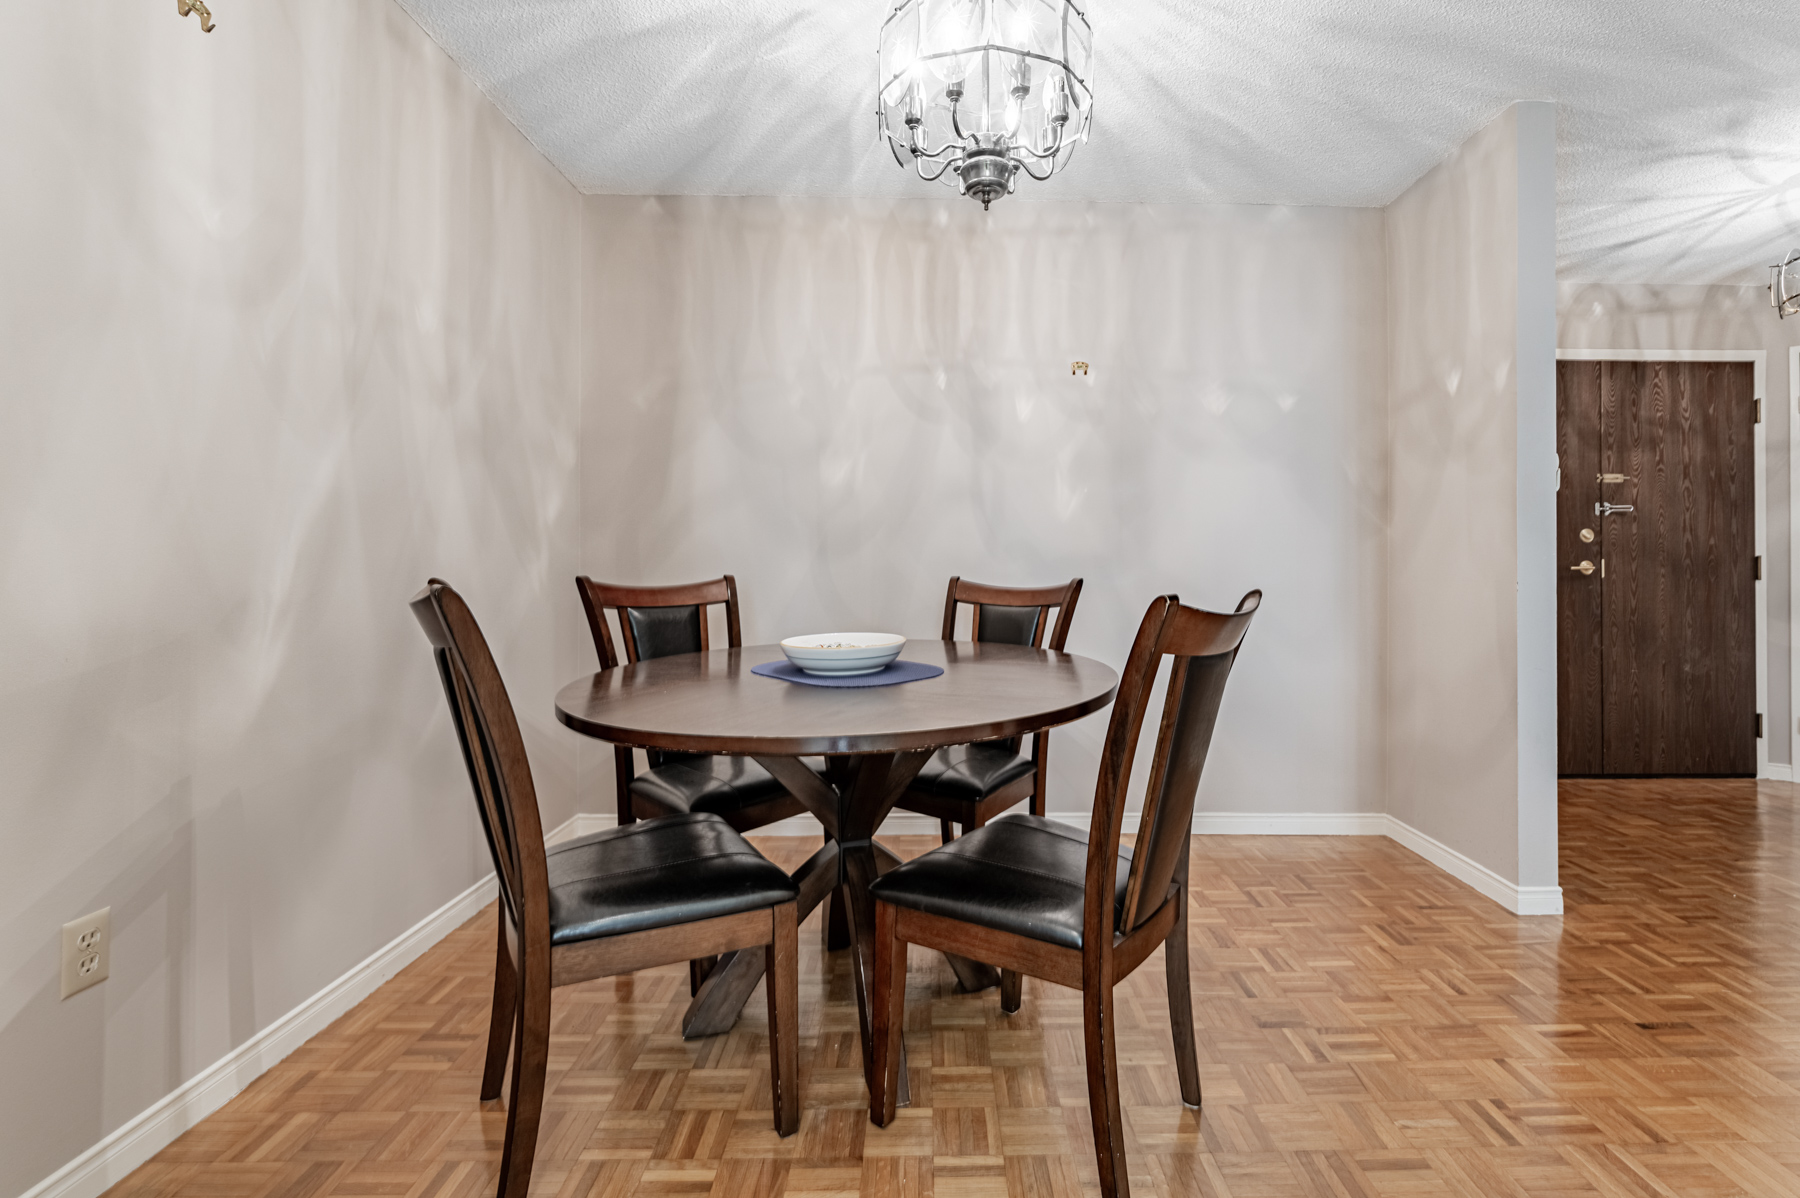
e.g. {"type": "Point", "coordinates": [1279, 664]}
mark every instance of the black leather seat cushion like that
{"type": "Point", "coordinates": [1019, 874]}
{"type": "Point", "coordinates": [656, 873]}
{"type": "Point", "coordinates": [696, 783]}
{"type": "Point", "coordinates": [972, 771]}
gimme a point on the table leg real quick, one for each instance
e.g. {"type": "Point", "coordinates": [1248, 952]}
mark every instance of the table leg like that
{"type": "Point", "coordinates": [836, 924]}
{"type": "Point", "coordinates": [879, 782]}
{"type": "Point", "coordinates": [851, 863]}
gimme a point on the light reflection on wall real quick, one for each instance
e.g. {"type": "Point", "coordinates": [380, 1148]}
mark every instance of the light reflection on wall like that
{"type": "Point", "coordinates": [846, 402]}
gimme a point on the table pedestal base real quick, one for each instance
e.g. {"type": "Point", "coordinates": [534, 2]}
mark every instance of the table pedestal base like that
{"type": "Point", "coordinates": [857, 795]}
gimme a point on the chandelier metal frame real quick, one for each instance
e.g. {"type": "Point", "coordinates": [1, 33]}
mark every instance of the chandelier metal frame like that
{"type": "Point", "coordinates": [984, 155]}
{"type": "Point", "coordinates": [1784, 286]}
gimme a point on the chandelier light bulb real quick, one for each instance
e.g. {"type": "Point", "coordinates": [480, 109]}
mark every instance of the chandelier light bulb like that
{"type": "Point", "coordinates": [1020, 34]}
{"type": "Point", "coordinates": [998, 87]}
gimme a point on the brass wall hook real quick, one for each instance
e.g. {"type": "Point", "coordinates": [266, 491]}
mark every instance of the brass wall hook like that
{"type": "Point", "coordinates": [185, 7]}
{"type": "Point", "coordinates": [1078, 368]}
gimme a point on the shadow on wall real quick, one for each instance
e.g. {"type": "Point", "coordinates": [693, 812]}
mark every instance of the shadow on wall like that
{"type": "Point", "coordinates": [846, 402]}
{"type": "Point", "coordinates": [146, 873]}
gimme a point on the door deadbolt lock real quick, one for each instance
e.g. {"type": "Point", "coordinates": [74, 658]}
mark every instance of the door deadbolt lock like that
{"type": "Point", "coordinates": [1587, 535]}
{"type": "Point", "coordinates": [1611, 478]}
{"type": "Point", "coordinates": [1584, 568]}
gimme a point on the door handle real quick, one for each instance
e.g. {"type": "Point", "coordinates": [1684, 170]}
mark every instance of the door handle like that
{"type": "Point", "coordinates": [1606, 509]}
{"type": "Point", "coordinates": [1584, 568]}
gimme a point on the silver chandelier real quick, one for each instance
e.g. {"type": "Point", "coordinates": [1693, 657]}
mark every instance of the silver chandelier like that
{"type": "Point", "coordinates": [1784, 286]}
{"type": "Point", "coordinates": [975, 91]}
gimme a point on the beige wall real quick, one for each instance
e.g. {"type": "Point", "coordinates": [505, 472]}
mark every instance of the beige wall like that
{"type": "Point", "coordinates": [294, 318]}
{"type": "Point", "coordinates": [1470, 681]}
{"type": "Point", "coordinates": [289, 322]}
{"type": "Point", "coordinates": [846, 402]}
{"type": "Point", "coordinates": [1660, 317]}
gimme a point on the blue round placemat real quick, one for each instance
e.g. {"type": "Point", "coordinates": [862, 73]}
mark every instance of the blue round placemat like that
{"type": "Point", "coordinates": [890, 674]}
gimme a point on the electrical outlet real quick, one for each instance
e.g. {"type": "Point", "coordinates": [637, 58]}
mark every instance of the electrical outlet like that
{"type": "Point", "coordinates": [86, 951]}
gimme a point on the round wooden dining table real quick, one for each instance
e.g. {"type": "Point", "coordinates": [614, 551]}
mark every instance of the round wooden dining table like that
{"type": "Point", "coordinates": [875, 739]}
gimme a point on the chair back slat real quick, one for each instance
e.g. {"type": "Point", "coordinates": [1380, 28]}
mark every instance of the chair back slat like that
{"type": "Point", "coordinates": [1013, 615]}
{"type": "Point", "coordinates": [664, 631]}
{"type": "Point", "coordinates": [494, 754]}
{"type": "Point", "coordinates": [657, 621]}
{"type": "Point", "coordinates": [1203, 647]}
{"type": "Point", "coordinates": [496, 827]}
{"type": "Point", "coordinates": [1009, 625]}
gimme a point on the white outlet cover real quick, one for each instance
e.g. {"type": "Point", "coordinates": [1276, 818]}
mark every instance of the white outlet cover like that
{"type": "Point", "coordinates": [86, 951]}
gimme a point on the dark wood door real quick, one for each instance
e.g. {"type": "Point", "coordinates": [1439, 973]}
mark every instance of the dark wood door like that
{"type": "Point", "coordinates": [1657, 644]}
{"type": "Point", "coordinates": [1580, 618]}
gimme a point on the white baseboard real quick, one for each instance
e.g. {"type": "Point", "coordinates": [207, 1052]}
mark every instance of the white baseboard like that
{"type": "Point", "coordinates": [108, 1162]}
{"type": "Point", "coordinates": [1247, 823]}
{"type": "Point", "coordinates": [1214, 823]}
{"type": "Point", "coordinates": [1520, 900]}
{"type": "Point", "coordinates": [582, 823]}
{"type": "Point", "coordinates": [900, 823]}
{"type": "Point", "coordinates": [1775, 771]}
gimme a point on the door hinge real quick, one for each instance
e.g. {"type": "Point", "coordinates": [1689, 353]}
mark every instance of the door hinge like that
{"type": "Point", "coordinates": [1759, 567]}
{"type": "Point", "coordinates": [1758, 402]}
{"type": "Point", "coordinates": [1759, 734]}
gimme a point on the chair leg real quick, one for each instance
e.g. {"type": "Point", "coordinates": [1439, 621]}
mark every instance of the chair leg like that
{"type": "Point", "coordinates": [782, 959]}
{"type": "Point", "coordinates": [1040, 746]}
{"type": "Point", "coordinates": [887, 1014]}
{"type": "Point", "coordinates": [1181, 1005]}
{"type": "Point", "coordinates": [946, 831]}
{"type": "Point", "coordinates": [1098, 1019]}
{"type": "Point", "coordinates": [503, 1017]}
{"type": "Point", "coordinates": [1012, 991]}
{"type": "Point", "coordinates": [531, 1056]}
{"type": "Point", "coordinates": [623, 771]}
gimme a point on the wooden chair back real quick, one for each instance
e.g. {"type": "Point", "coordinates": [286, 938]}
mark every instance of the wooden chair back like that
{"type": "Point", "coordinates": [1203, 646]}
{"type": "Point", "coordinates": [657, 621]}
{"type": "Point", "coordinates": [1013, 615]}
{"type": "Point", "coordinates": [494, 752]}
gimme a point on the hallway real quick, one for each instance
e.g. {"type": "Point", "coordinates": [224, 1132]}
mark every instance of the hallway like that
{"type": "Point", "coordinates": [1368, 1027]}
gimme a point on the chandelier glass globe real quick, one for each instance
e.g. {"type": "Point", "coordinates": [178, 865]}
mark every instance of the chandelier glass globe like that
{"type": "Point", "coordinates": [975, 91]}
{"type": "Point", "coordinates": [1784, 286]}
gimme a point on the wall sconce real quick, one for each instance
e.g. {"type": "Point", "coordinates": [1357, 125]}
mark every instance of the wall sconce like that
{"type": "Point", "coordinates": [1784, 286]}
{"type": "Point", "coordinates": [187, 7]}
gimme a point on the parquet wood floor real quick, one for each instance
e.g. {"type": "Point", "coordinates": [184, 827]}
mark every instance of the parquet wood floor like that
{"type": "Point", "coordinates": [1368, 1028]}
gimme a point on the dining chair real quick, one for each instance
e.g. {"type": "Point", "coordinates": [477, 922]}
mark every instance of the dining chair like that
{"type": "Point", "coordinates": [1038, 898]}
{"type": "Point", "coordinates": [971, 784]}
{"type": "Point", "coordinates": [656, 622]}
{"type": "Point", "coordinates": [617, 901]}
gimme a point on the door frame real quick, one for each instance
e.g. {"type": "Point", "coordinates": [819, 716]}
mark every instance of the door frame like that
{"type": "Point", "coordinates": [1759, 358]}
{"type": "Point", "coordinates": [1786, 773]}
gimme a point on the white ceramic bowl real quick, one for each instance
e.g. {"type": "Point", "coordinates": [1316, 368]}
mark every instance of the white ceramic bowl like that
{"type": "Point", "coordinates": [838, 654]}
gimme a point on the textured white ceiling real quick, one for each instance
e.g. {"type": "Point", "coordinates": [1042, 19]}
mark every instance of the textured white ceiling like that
{"type": "Point", "coordinates": [1679, 131]}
